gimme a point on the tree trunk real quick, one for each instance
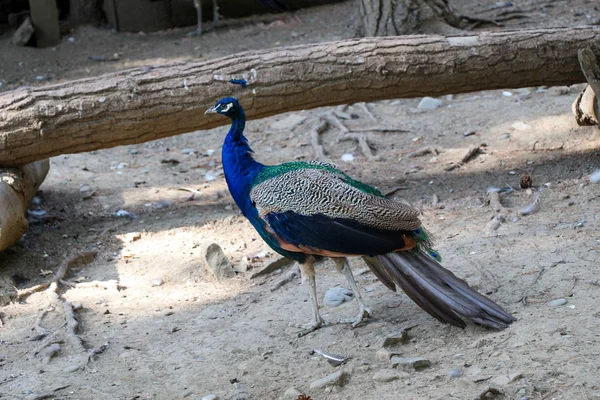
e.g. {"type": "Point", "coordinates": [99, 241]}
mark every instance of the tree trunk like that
{"type": "Point", "coordinates": [402, 17]}
{"type": "Point", "coordinates": [151, 103]}
{"type": "Point", "coordinates": [387, 17]}
{"type": "Point", "coordinates": [17, 188]}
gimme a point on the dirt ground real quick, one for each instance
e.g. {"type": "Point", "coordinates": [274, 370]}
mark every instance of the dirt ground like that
{"type": "Point", "coordinates": [173, 331]}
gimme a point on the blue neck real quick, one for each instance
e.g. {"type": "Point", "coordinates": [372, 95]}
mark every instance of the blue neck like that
{"type": "Point", "coordinates": [239, 166]}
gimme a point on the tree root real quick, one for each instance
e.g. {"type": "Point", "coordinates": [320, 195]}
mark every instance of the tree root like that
{"type": "Point", "coordinates": [77, 259]}
{"type": "Point", "coordinates": [51, 346]}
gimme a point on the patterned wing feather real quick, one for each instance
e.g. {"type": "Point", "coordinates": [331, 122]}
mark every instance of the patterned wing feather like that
{"type": "Point", "coordinates": [323, 190]}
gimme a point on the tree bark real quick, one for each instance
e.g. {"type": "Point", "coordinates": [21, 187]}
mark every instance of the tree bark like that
{"type": "Point", "coordinates": [17, 188]}
{"type": "Point", "coordinates": [149, 103]}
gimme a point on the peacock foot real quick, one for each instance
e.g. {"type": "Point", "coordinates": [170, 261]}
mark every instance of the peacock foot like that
{"type": "Point", "coordinates": [197, 32]}
{"type": "Point", "coordinates": [363, 314]}
{"type": "Point", "coordinates": [310, 327]}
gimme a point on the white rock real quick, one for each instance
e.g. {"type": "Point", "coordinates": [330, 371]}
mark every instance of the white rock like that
{"type": "Point", "coordinates": [595, 176]}
{"type": "Point", "coordinates": [429, 103]}
{"type": "Point", "coordinates": [557, 302]}
{"type": "Point", "coordinates": [347, 157]}
{"type": "Point", "coordinates": [210, 397]}
{"type": "Point", "coordinates": [521, 126]}
{"type": "Point", "coordinates": [507, 94]}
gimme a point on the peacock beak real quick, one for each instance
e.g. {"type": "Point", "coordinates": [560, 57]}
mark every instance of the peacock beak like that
{"type": "Point", "coordinates": [211, 110]}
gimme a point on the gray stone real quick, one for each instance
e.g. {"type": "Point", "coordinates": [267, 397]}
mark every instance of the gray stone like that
{"type": "Point", "coordinates": [410, 363]}
{"type": "Point", "coordinates": [335, 379]}
{"type": "Point", "coordinates": [337, 296]}
{"type": "Point", "coordinates": [455, 373]}
{"type": "Point", "coordinates": [292, 394]}
{"type": "Point", "coordinates": [24, 33]}
{"type": "Point", "coordinates": [216, 262]}
{"type": "Point", "coordinates": [289, 122]}
{"type": "Point", "coordinates": [557, 302]}
{"type": "Point", "coordinates": [396, 339]}
{"type": "Point", "coordinates": [71, 368]}
{"type": "Point", "coordinates": [429, 103]}
{"type": "Point", "coordinates": [386, 375]}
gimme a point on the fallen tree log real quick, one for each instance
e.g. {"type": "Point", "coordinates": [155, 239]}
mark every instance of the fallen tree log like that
{"type": "Point", "coordinates": [17, 188]}
{"type": "Point", "coordinates": [154, 102]}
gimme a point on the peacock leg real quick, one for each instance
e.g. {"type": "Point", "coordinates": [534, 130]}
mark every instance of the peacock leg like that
{"type": "Point", "coordinates": [308, 272]}
{"type": "Point", "coordinates": [342, 266]}
{"type": "Point", "coordinates": [198, 31]}
{"type": "Point", "coordinates": [215, 13]}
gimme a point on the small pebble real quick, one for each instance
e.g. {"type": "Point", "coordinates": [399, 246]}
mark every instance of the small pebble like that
{"type": "Point", "coordinates": [455, 373]}
{"type": "Point", "coordinates": [557, 302]}
{"type": "Point", "coordinates": [507, 94]}
{"type": "Point", "coordinates": [386, 375]}
{"type": "Point", "coordinates": [210, 397]}
{"type": "Point", "coordinates": [521, 126]}
{"type": "Point", "coordinates": [124, 213]}
{"type": "Point", "coordinates": [595, 176]}
{"type": "Point", "coordinates": [469, 133]}
{"type": "Point", "coordinates": [504, 136]}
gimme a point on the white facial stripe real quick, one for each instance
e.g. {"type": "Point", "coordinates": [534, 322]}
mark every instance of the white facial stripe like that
{"type": "Point", "coordinates": [227, 107]}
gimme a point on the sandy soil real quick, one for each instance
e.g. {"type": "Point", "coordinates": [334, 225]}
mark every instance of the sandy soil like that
{"type": "Point", "coordinates": [173, 331]}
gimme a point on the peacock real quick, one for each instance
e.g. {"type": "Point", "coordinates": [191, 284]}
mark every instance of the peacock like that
{"type": "Point", "coordinates": [309, 210]}
{"type": "Point", "coordinates": [273, 5]}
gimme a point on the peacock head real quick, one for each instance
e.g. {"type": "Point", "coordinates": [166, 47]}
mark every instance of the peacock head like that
{"type": "Point", "coordinates": [228, 106]}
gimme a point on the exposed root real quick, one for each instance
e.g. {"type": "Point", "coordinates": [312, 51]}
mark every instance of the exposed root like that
{"type": "Point", "coordinates": [365, 109]}
{"type": "Point", "coordinates": [52, 345]}
{"type": "Point", "coordinates": [77, 259]}
{"type": "Point", "coordinates": [73, 326]}
{"type": "Point", "coordinates": [346, 134]}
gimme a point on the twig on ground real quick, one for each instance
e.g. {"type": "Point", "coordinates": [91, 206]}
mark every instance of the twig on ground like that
{"type": "Point", "coordinates": [425, 150]}
{"type": "Point", "coordinates": [394, 190]}
{"type": "Point", "coordinates": [193, 192]}
{"type": "Point", "coordinates": [471, 152]}
{"type": "Point", "coordinates": [290, 276]}
{"type": "Point", "coordinates": [316, 143]}
{"type": "Point", "coordinates": [495, 202]}
{"type": "Point", "coordinates": [523, 298]}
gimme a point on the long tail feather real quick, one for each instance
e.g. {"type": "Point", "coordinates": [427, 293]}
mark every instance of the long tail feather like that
{"type": "Point", "coordinates": [436, 290]}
